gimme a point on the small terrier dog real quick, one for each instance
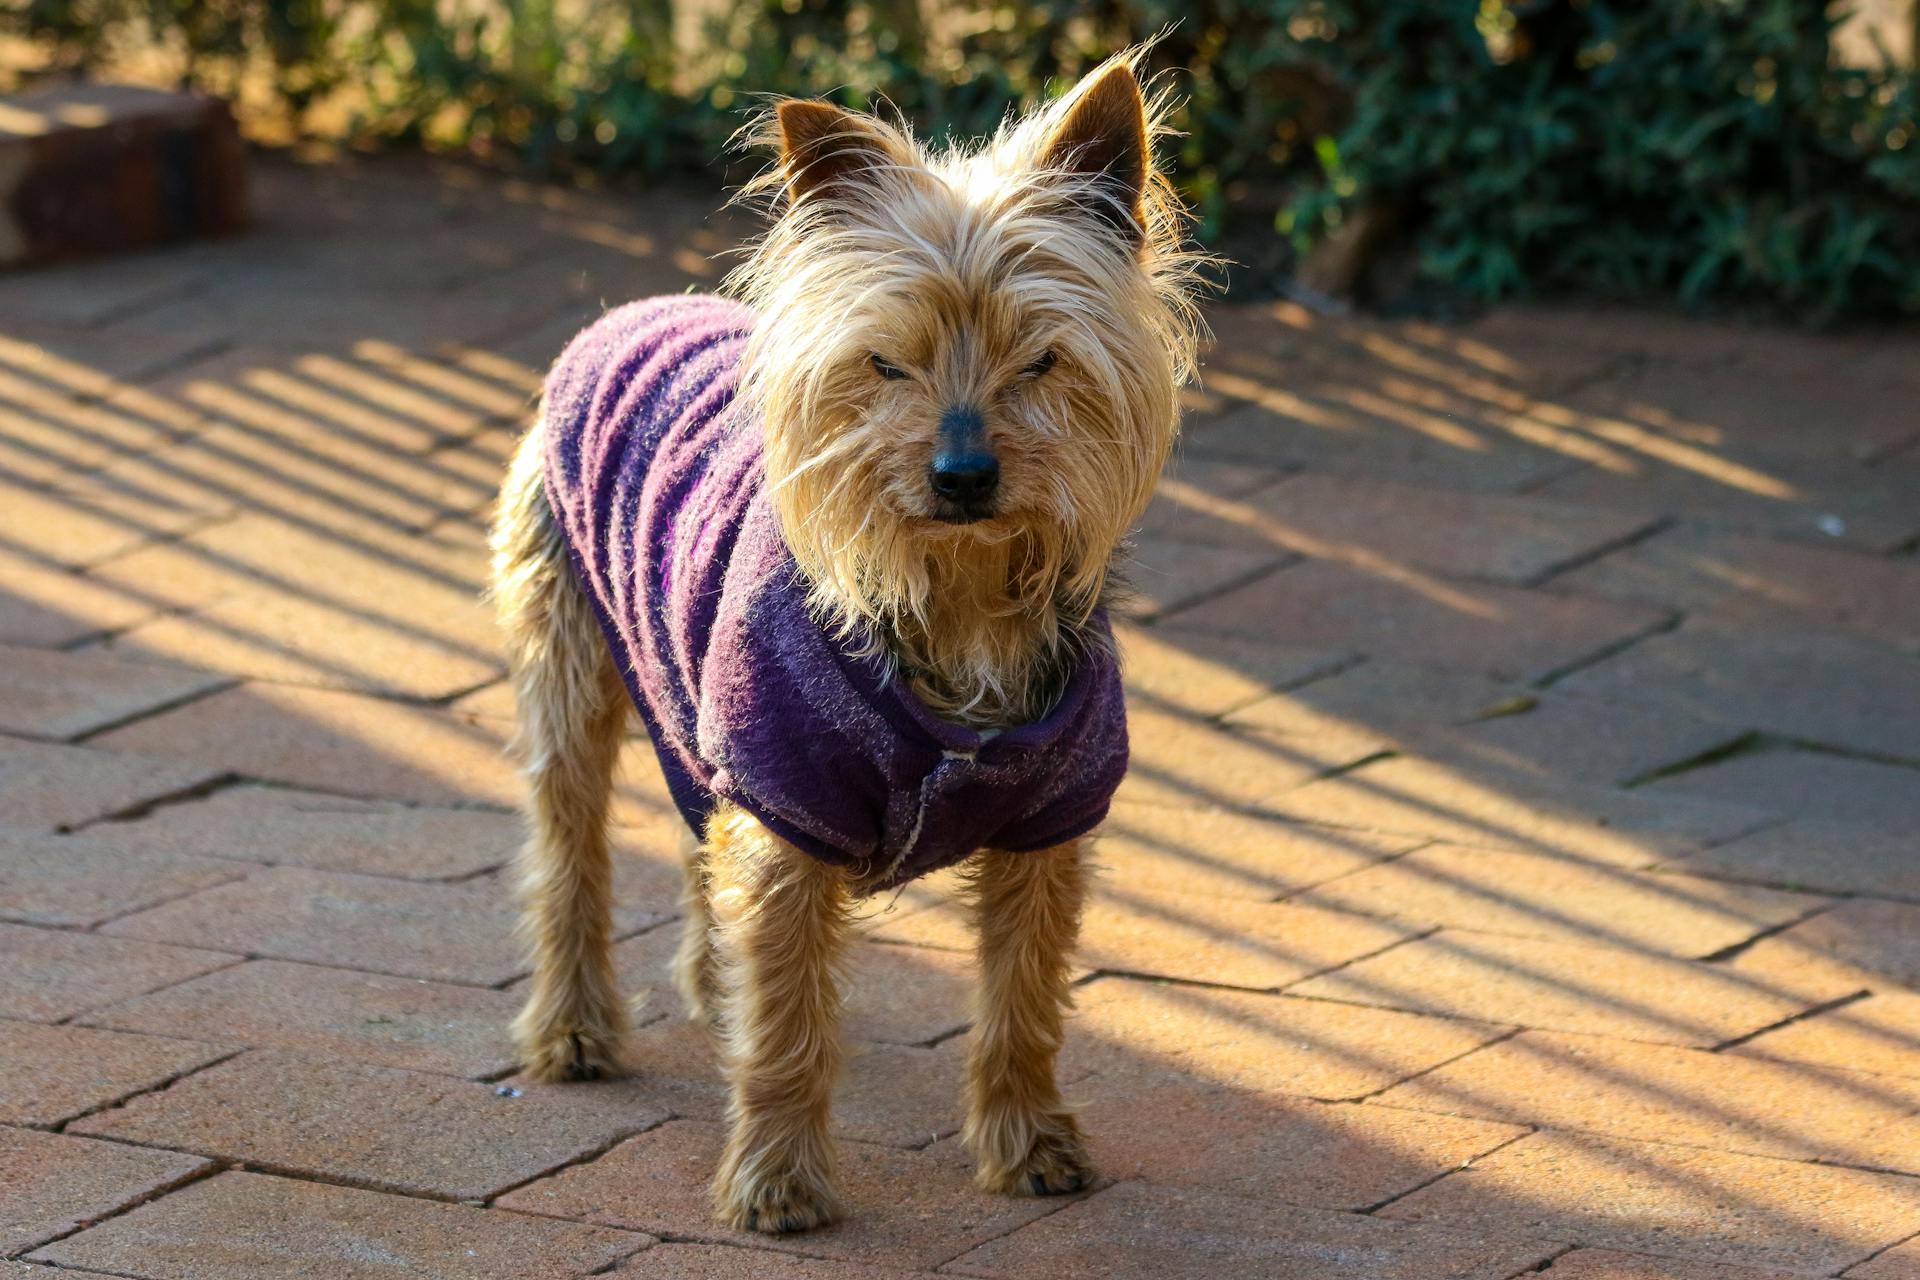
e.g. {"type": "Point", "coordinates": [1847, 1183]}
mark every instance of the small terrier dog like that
{"type": "Point", "coordinates": [844, 540]}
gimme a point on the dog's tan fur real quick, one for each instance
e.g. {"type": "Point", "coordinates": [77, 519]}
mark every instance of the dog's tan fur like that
{"type": "Point", "coordinates": [1042, 279]}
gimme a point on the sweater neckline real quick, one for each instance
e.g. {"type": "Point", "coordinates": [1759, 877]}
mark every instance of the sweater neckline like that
{"type": "Point", "coordinates": [885, 689]}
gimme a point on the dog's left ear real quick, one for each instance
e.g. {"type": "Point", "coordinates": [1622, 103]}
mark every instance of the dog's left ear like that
{"type": "Point", "coordinates": [1102, 136]}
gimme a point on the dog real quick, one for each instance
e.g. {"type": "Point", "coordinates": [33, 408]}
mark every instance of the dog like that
{"type": "Point", "coordinates": [845, 538]}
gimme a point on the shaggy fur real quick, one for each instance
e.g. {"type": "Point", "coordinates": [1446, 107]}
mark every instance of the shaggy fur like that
{"type": "Point", "coordinates": [1039, 283]}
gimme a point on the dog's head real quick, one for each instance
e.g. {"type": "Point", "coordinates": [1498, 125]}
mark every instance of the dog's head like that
{"type": "Point", "coordinates": [972, 355]}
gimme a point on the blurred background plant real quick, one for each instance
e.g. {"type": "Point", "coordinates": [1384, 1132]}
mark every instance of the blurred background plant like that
{"type": "Point", "coordinates": [1713, 151]}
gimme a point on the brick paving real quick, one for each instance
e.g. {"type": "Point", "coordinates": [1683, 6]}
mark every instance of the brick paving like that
{"type": "Point", "coordinates": [1518, 874]}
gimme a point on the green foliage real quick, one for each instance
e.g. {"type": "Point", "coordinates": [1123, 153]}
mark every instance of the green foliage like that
{"type": "Point", "coordinates": [1706, 149]}
{"type": "Point", "coordinates": [1702, 149]}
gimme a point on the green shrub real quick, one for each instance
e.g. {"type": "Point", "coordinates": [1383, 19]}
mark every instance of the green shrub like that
{"type": "Point", "coordinates": [1707, 150]}
{"type": "Point", "coordinates": [1703, 148]}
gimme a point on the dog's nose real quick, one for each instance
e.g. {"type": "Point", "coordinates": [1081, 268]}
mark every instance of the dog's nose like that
{"type": "Point", "coordinates": [966, 478]}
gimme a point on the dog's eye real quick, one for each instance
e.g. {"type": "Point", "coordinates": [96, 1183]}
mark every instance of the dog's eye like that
{"type": "Point", "coordinates": [1040, 366]}
{"type": "Point", "coordinates": [891, 372]}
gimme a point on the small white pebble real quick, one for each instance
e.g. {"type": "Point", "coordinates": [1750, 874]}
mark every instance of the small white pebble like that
{"type": "Point", "coordinates": [1832, 526]}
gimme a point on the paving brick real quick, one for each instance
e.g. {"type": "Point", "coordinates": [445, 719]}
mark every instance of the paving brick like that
{"type": "Point", "coordinates": [340, 556]}
{"type": "Point", "coordinates": [1785, 962]}
{"type": "Point", "coordinates": [1828, 500]}
{"type": "Point", "coordinates": [87, 293]}
{"type": "Point", "coordinates": [1881, 937]}
{"type": "Point", "coordinates": [84, 525]}
{"type": "Point", "coordinates": [1810, 784]}
{"type": "Point", "coordinates": [291, 640]}
{"type": "Point", "coordinates": [378, 1127]}
{"type": "Point", "coordinates": [899, 1095]}
{"type": "Point", "coordinates": [1136, 1232]}
{"type": "Point", "coordinates": [318, 397]}
{"type": "Point", "coordinates": [235, 467]}
{"type": "Point", "coordinates": [48, 694]}
{"type": "Point", "coordinates": [55, 787]}
{"type": "Point", "coordinates": [334, 604]}
{"type": "Point", "coordinates": [493, 702]}
{"type": "Point", "coordinates": [719, 1262]}
{"type": "Point", "coordinates": [332, 1014]}
{"type": "Point", "coordinates": [1176, 760]}
{"type": "Point", "coordinates": [1389, 698]}
{"type": "Point", "coordinates": [894, 995]}
{"type": "Point", "coordinates": [667, 1062]}
{"type": "Point", "coordinates": [443, 932]}
{"type": "Point", "coordinates": [47, 438]}
{"type": "Point", "coordinates": [1346, 419]}
{"type": "Point", "coordinates": [1902, 1262]}
{"type": "Point", "coordinates": [1152, 849]}
{"type": "Point", "coordinates": [1584, 739]}
{"type": "Point", "coordinates": [1879, 1033]}
{"type": "Point", "coordinates": [1262, 1147]}
{"type": "Point", "coordinates": [47, 605]}
{"type": "Point", "coordinates": [332, 312]}
{"type": "Point", "coordinates": [1608, 1264]}
{"type": "Point", "coordinates": [1816, 856]}
{"type": "Point", "coordinates": [1205, 674]}
{"type": "Point", "coordinates": [1613, 990]}
{"type": "Point", "coordinates": [1382, 527]}
{"type": "Point", "coordinates": [1675, 1201]}
{"type": "Point", "coordinates": [1199, 500]}
{"type": "Point", "coordinates": [1260, 945]}
{"type": "Point", "coordinates": [332, 741]}
{"type": "Point", "coordinates": [51, 974]}
{"type": "Point", "coordinates": [1268, 1043]}
{"type": "Point", "coordinates": [1163, 575]}
{"type": "Point", "coordinates": [1656, 1093]}
{"type": "Point", "coordinates": [1540, 347]}
{"type": "Point", "coordinates": [51, 1183]}
{"type": "Point", "coordinates": [51, 1074]}
{"type": "Point", "coordinates": [1395, 612]}
{"type": "Point", "coordinates": [1561, 899]}
{"type": "Point", "coordinates": [1685, 413]}
{"type": "Point", "coordinates": [1497, 808]}
{"type": "Point", "coordinates": [86, 879]}
{"type": "Point", "coordinates": [1549, 345]}
{"type": "Point", "coordinates": [73, 356]}
{"type": "Point", "coordinates": [909, 1209]}
{"type": "Point", "coordinates": [1761, 580]}
{"type": "Point", "coordinates": [28, 1271]}
{"type": "Point", "coordinates": [327, 833]}
{"type": "Point", "coordinates": [247, 1226]}
{"type": "Point", "coordinates": [1815, 686]}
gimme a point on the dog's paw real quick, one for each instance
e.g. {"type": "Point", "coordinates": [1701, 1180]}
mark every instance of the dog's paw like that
{"type": "Point", "coordinates": [1054, 1163]}
{"type": "Point", "coordinates": [568, 1056]}
{"type": "Point", "coordinates": [776, 1203]}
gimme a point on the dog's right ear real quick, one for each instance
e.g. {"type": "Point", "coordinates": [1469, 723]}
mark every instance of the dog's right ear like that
{"type": "Point", "coordinates": [825, 150]}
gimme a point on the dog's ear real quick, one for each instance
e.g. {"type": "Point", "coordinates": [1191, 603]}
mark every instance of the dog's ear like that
{"type": "Point", "coordinates": [826, 149]}
{"type": "Point", "coordinates": [1102, 136]}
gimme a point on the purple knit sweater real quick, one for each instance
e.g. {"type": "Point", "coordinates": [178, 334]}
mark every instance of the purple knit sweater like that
{"type": "Point", "coordinates": [657, 482]}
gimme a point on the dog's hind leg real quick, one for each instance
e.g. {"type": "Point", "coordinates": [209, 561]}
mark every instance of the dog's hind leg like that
{"type": "Point", "coordinates": [572, 712]}
{"type": "Point", "coordinates": [695, 974]}
{"type": "Point", "coordinates": [780, 926]}
{"type": "Point", "coordinates": [1027, 910]}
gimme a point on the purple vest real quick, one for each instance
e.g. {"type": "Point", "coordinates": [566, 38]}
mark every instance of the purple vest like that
{"type": "Point", "coordinates": [657, 483]}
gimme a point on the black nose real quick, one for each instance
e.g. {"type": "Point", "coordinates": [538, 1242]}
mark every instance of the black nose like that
{"type": "Point", "coordinates": [968, 479]}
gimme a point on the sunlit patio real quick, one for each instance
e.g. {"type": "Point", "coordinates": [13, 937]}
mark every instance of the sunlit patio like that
{"type": "Point", "coordinates": [1517, 873]}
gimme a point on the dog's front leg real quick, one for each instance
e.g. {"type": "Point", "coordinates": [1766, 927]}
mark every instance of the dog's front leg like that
{"type": "Point", "coordinates": [780, 923]}
{"type": "Point", "coordinates": [1027, 909]}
